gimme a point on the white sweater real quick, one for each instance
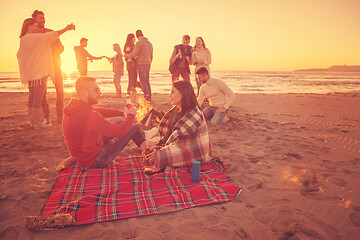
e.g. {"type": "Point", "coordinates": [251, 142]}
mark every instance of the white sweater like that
{"type": "Point", "coordinates": [35, 56]}
{"type": "Point", "coordinates": [219, 94]}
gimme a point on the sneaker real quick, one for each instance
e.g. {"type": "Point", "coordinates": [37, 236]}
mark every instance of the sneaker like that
{"type": "Point", "coordinates": [150, 133]}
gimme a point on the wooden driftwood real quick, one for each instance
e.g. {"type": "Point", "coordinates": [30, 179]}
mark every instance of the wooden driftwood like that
{"type": "Point", "coordinates": [49, 222]}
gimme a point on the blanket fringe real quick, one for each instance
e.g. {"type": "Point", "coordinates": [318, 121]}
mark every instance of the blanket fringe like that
{"type": "Point", "coordinates": [50, 222]}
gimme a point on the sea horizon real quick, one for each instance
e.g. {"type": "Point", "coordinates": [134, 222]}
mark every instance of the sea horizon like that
{"type": "Point", "coordinates": [239, 81]}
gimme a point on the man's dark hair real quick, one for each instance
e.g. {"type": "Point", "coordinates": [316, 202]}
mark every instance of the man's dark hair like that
{"type": "Point", "coordinates": [36, 12]}
{"type": "Point", "coordinates": [82, 83]}
{"type": "Point", "coordinates": [139, 33]}
{"type": "Point", "coordinates": [202, 71]}
{"type": "Point", "coordinates": [186, 37]}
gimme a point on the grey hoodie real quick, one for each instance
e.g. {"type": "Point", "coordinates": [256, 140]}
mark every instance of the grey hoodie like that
{"type": "Point", "coordinates": [143, 50]}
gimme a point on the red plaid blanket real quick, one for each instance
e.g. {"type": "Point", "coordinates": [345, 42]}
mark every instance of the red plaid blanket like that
{"type": "Point", "coordinates": [122, 190]}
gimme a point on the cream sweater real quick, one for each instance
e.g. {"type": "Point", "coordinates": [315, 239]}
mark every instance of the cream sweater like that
{"type": "Point", "coordinates": [35, 56]}
{"type": "Point", "coordinates": [201, 54]}
{"type": "Point", "coordinates": [219, 94]}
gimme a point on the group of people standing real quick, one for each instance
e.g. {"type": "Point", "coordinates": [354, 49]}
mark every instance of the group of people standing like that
{"type": "Point", "coordinates": [138, 58]}
{"type": "Point", "coordinates": [184, 55]}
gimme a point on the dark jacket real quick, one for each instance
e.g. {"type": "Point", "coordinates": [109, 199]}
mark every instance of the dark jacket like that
{"type": "Point", "coordinates": [185, 51]}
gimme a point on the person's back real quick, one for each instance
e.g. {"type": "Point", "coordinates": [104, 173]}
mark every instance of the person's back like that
{"type": "Point", "coordinates": [145, 51]}
{"type": "Point", "coordinates": [79, 123]}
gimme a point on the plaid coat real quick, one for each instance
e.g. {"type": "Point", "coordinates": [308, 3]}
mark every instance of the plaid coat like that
{"type": "Point", "coordinates": [183, 141]}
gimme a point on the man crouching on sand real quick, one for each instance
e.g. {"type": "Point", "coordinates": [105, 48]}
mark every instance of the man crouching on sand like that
{"type": "Point", "coordinates": [220, 95]}
{"type": "Point", "coordinates": [92, 140]}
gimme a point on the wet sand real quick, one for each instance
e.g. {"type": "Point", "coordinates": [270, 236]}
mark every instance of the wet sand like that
{"type": "Point", "coordinates": [296, 156]}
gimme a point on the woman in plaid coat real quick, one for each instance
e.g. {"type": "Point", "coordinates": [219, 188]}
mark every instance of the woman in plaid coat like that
{"type": "Point", "coordinates": [183, 130]}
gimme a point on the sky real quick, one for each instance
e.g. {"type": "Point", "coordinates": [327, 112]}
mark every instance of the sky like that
{"type": "Point", "coordinates": [252, 35]}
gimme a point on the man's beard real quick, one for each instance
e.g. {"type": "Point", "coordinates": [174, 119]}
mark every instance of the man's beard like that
{"type": "Point", "coordinates": [92, 100]}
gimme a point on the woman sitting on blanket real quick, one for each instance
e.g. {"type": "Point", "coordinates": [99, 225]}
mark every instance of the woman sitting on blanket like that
{"type": "Point", "coordinates": [184, 133]}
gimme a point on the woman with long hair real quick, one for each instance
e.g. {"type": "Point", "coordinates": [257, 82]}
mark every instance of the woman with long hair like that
{"type": "Point", "coordinates": [184, 133]}
{"type": "Point", "coordinates": [36, 65]}
{"type": "Point", "coordinates": [131, 63]}
{"type": "Point", "coordinates": [201, 57]}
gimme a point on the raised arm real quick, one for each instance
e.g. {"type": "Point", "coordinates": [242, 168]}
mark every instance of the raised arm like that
{"type": "Point", "coordinates": [67, 28]}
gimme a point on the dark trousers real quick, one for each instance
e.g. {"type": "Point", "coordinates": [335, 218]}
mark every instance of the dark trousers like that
{"type": "Point", "coordinates": [184, 72]}
{"type": "Point", "coordinates": [132, 73]}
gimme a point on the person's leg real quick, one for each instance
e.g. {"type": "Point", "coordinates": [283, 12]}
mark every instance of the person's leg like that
{"type": "Point", "coordinates": [144, 71]}
{"type": "Point", "coordinates": [175, 75]}
{"type": "Point", "coordinates": [45, 108]}
{"type": "Point", "coordinates": [83, 71]}
{"type": "Point", "coordinates": [29, 105]}
{"type": "Point", "coordinates": [117, 78]}
{"type": "Point", "coordinates": [198, 84]}
{"type": "Point", "coordinates": [132, 82]}
{"type": "Point", "coordinates": [115, 145]}
{"type": "Point", "coordinates": [185, 75]}
{"type": "Point", "coordinates": [209, 112]}
{"type": "Point", "coordinates": [218, 117]}
{"type": "Point", "coordinates": [59, 87]}
{"type": "Point", "coordinates": [39, 91]}
{"type": "Point", "coordinates": [147, 82]}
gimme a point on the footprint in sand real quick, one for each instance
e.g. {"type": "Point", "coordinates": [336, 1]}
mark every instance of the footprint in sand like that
{"type": "Point", "coordinates": [340, 182]}
{"type": "Point", "coordinates": [10, 233]}
{"type": "Point", "coordinates": [310, 186]}
{"type": "Point", "coordinates": [241, 233]}
{"type": "Point", "coordinates": [261, 216]}
{"type": "Point", "coordinates": [355, 216]}
{"type": "Point", "coordinates": [214, 219]}
{"type": "Point", "coordinates": [163, 228]}
{"type": "Point", "coordinates": [193, 227]}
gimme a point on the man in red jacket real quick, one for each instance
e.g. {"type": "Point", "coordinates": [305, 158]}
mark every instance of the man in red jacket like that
{"type": "Point", "coordinates": [92, 140]}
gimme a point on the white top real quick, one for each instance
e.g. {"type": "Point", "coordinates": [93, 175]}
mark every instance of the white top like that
{"type": "Point", "coordinates": [35, 56]}
{"type": "Point", "coordinates": [201, 54]}
{"type": "Point", "coordinates": [219, 94]}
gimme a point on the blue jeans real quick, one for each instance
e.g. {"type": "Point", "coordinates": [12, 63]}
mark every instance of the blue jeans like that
{"type": "Point", "coordinates": [144, 77]}
{"type": "Point", "coordinates": [112, 146]}
{"type": "Point", "coordinates": [198, 84]}
{"type": "Point", "coordinates": [213, 116]}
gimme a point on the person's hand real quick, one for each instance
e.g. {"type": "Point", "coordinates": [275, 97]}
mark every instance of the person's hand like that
{"type": "Point", "coordinates": [130, 110]}
{"type": "Point", "coordinates": [150, 157]}
{"type": "Point", "coordinates": [70, 26]}
{"type": "Point", "coordinates": [222, 109]}
{"type": "Point", "coordinates": [187, 58]}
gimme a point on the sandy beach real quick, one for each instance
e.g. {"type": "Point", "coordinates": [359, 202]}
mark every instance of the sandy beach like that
{"type": "Point", "coordinates": [296, 156]}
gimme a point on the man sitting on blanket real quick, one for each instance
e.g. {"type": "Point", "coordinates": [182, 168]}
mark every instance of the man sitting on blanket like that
{"type": "Point", "coordinates": [92, 140]}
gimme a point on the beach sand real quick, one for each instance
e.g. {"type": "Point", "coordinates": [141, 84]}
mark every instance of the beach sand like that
{"type": "Point", "coordinates": [296, 156]}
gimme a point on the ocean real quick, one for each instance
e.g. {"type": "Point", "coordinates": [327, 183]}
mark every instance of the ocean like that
{"type": "Point", "coordinates": [239, 82]}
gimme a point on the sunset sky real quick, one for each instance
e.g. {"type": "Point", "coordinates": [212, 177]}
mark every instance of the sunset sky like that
{"type": "Point", "coordinates": [241, 35]}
